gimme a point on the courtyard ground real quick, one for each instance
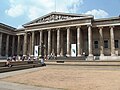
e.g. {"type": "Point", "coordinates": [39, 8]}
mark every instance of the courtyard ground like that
{"type": "Point", "coordinates": [71, 77]}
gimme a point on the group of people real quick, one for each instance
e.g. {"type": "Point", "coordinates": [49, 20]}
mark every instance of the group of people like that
{"type": "Point", "coordinates": [23, 58]}
{"type": "Point", "coordinates": [15, 58]}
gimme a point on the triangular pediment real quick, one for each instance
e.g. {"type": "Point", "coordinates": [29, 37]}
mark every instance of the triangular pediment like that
{"type": "Point", "coordinates": [56, 16]}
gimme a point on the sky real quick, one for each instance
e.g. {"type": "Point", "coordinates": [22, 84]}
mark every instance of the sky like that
{"type": "Point", "coordinates": [18, 12]}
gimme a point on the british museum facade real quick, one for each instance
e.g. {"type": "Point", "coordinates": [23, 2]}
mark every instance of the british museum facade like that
{"type": "Point", "coordinates": [64, 35]}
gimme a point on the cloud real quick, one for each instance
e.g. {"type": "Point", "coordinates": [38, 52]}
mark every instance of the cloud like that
{"type": "Point", "coordinates": [98, 13]}
{"type": "Point", "coordinates": [74, 5]}
{"type": "Point", "coordinates": [36, 8]}
{"type": "Point", "coordinates": [15, 11]}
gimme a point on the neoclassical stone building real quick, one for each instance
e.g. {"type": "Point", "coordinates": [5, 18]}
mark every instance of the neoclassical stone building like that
{"type": "Point", "coordinates": [95, 38]}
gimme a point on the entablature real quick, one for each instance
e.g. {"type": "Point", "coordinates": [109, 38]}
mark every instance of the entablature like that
{"type": "Point", "coordinates": [6, 31]}
{"type": "Point", "coordinates": [106, 22]}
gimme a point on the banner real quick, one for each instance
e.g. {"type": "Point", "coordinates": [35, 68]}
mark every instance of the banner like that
{"type": "Point", "coordinates": [73, 50]}
{"type": "Point", "coordinates": [36, 51]}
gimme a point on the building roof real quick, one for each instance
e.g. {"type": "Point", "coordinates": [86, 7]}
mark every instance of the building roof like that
{"type": "Point", "coordinates": [7, 26]}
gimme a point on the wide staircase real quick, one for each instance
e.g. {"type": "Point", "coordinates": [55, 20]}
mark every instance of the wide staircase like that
{"type": "Point", "coordinates": [19, 65]}
{"type": "Point", "coordinates": [76, 62]}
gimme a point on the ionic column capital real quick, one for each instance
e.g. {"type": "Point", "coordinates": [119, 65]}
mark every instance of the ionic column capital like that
{"type": "Point", "coordinates": [48, 29]}
{"type": "Point", "coordinates": [111, 26]}
{"type": "Point", "coordinates": [89, 25]}
{"type": "Point", "coordinates": [32, 31]}
{"type": "Point", "coordinates": [67, 27]}
{"type": "Point", "coordinates": [78, 26]}
{"type": "Point", "coordinates": [57, 28]}
{"type": "Point", "coordinates": [100, 27]}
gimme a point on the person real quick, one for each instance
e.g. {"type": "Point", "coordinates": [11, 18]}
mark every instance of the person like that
{"type": "Point", "coordinates": [8, 62]}
{"type": "Point", "coordinates": [14, 58]}
{"type": "Point", "coordinates": [45, 57]}
{"type": "Point", "coordinates": [23, 58]}
{"type": "Point", "coordinates": [29, 58]}
{"type": "Point", "coordinates": [42, 62]}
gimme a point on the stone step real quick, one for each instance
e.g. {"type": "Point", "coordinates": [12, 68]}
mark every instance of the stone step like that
{"type": "Point", "coordinates": [16, 63]}
{"type": "Point", "coordinates": [18, 67]}
{"type": "Point", "coordinates": [68, 58]}
{"type": "Point", "coordinates": [82, 63]}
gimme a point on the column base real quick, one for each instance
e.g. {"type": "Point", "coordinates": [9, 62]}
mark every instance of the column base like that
{"type": "Point", "coordinates": [40, 55]}
{"type": "Point", "coordinates": [113, 55]}
{"type": "Point", "coordinates": [61, 55]}
{"type": "Point", "coordinates": [68, 55]}
{"type": "Point", "coordinates": [90, 58]}
{"type": "Point", "coordinates": [90, 54]}
{"type": "Point", "coordinates": [31, 55]}
{"type": "Point", "coordinates": [79, 55]}
{"type": "Point", "coordinates": [58, 55]}
{"type": "Point", "coordinates": [24, 55]}
{"type": "Point", "coordinates": [101, 54]}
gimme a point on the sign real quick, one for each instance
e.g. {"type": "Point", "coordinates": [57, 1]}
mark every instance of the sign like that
{"type": "Point", "coordinates": [73, 50]}
{"type": "Point", "coordinates": [36, 51]}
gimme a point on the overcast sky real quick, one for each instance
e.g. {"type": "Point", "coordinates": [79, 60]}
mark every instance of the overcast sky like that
{"type": "Point", "coordinates": [19, 12]}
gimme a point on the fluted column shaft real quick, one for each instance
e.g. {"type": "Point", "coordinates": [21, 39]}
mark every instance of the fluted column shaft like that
{"type": "Point", "coordinates": [41, 41]}
{"type": "Point", "coordinates": [32, 49]}
{"type": "Point", "coordinates": [25, 45]}
{"type": "Point", "coordinates": [68, 42]}
{"type": "Point", "coordinates": [49, 42]}
{"type": "Point", "coordinates": [112, 41]}
{"type": "Point", "coordinates": [1, 43]}
{"type": "Point", "coordinates": [79, 41]}
{"type": "Point", "coordinates": [62, 43]}
{"type": "Point", "coordinates": [58, 43]}
{"type": "Point", "coordinates": [13, 45]}
{"type": "Point", "coordinates": [7, 45]}
{"type": "Point", "coordinates": [18, 46]}
{"type": "Point", "coordinates": [101, 41]}
{"type": "Point", "coordinates": [90, 40]}
{"type": "Point", "coordinates": [53, 41]}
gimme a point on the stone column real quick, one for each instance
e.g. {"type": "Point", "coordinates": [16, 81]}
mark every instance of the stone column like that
{"type": "Point", "coordinates": [90, 43]}
{"type": "Point", "coordinates": [49, 42]}
{"type": "Point", "coordinates": [62, 41]}
{"type": "Point", "coordinates": [101, 41]}
{"type": "Point", "coordinates": [112, 41]}
{"type": "Point", "coordinates": [25, 45]}
{"type": "Point", "coordinates": [7, 45]}
{"type": "Point", "coordinates": [30, 43]}
{"type": "Point", "coordinates": [45, 42]}
{"type": "Point", "coordinates": [1, 43]}
{"type": "Point", "coordinates": [79, 41]}
{"type": "Point", "coordinates": [68, 42]}
{"type": "Point", "coordinates": [13, 45]}
{"type": "Point", "coordinates": [58, 43]}
{"type": "Point", "coordinates": [18, 46]}
{"type": "Point", "coordinates": [41, 41]}
{"type": "Point", "coordinates": [53, 42]}
{"type": "Point", "coordinates": [32, 49]}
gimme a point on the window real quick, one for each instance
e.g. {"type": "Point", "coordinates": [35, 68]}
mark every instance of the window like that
{"type": "Point", "coordinates": [96, 44]}
{"type": "Point", "coordinates": [116, 44]}
{"type": "Point", "coordinates": [105, 43]}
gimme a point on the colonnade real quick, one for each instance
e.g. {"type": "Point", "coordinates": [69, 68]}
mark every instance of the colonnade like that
{"type": "Point", "coordinates": [7, 43]}
{"type": "Point", "coordinates": [60, 42]}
